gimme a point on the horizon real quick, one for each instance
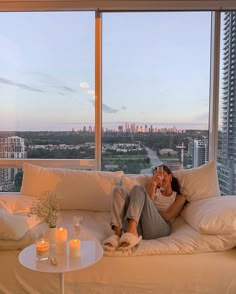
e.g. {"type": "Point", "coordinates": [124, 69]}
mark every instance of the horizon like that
{"type": "Point", "coordinates": [115, 126]}
{"type": "Point", "coordinates": [111, 128]}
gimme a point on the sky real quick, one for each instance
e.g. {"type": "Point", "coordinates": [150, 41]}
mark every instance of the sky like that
{"type": "Point", "coordinates": [155, 70]}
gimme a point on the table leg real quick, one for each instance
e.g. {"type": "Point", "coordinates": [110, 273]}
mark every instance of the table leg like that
{"type": "Point", "coordinates": [62, 283]}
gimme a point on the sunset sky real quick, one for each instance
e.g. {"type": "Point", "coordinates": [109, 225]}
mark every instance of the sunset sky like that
{"type": "Point", "coordinates": [155, 69]}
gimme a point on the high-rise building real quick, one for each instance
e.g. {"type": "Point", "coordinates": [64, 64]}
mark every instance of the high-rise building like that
{"type": "Point", "coordinates": [227, 133]}
{"type": "Point", "coordinates": [133, 127]}
{"type": "Point", "coordinates": [127, 127]}
{"type": "Point", "coordinates": [200, 152]}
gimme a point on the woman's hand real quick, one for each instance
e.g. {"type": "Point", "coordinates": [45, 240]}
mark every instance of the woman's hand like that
{"type": "Point", "coordinates": [151, 187]}
{"type": "Point", "coordinates": [156, 179]}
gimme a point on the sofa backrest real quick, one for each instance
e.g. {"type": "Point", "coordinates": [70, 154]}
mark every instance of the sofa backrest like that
{"type": "Point", "coordinates": [78, 189]}
{"type": "Point", "coordinates": [92, 190]}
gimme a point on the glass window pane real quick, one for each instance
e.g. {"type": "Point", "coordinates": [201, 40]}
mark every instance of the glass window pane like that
{"type": "Point", "coordinates": [47, 82]}
{"type": "Point", "coordinates": [47, 86]}
{"type": "Point", "coordinates": [156, 69]}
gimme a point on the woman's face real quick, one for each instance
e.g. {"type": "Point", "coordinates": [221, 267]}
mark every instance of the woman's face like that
{"type": "Point", "coordinates": [166, 178]}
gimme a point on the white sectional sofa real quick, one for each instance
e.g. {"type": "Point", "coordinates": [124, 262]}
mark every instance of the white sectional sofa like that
{"type": "Point", "coordinates": [198, 257]}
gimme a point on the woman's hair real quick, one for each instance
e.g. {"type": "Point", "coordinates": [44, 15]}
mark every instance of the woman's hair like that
{"type": "Point", "coordinates": [174, 183]}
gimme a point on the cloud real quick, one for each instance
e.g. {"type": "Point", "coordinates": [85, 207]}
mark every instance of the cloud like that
{"type": "Point", "coordinates": [91, 92]}
{"type": "Point", "coordinates": [84, 85]}
{"type": "Point", "coordinates": [123, 107]}
{"type": "Point", "coordinates": [108, 109]}
{"type": "Point", "coordinates": [19, 85]}
{"type": "Point", "coordinates": [105, 108]}
{"type": "Point", "coordinates": [68, 89]}
{"type": "Point", "coordinates": [50, 83]}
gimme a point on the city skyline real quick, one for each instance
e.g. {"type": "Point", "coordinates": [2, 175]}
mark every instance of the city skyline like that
{"type": "Point", "coordinates": [131, 126]}
{"type": "Point", "coordinates": [155, 70]}
{"type": "Point", "coordinates": [115, 126]}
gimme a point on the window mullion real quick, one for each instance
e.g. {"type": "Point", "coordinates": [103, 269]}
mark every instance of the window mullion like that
{"type": "Point", "coordinates": [214, 85]}
{"type": "Point", "coordinates": [98, 89]}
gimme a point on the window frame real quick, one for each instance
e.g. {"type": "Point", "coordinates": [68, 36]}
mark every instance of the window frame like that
{"type": "Point", "coordinates": [118, 5]}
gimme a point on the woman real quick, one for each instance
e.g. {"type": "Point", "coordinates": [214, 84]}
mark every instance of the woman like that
{"type": "Point", "coordinates": [144, 213]}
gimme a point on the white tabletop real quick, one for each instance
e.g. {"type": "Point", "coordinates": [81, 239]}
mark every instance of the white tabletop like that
{"type": "Point", "coordinates": [90, 252]}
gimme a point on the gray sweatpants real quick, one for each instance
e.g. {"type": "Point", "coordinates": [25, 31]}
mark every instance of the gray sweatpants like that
{"type": "Point", "coordinates": [137, 205]}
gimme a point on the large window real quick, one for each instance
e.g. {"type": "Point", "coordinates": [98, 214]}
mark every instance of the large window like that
{"type": "Point", "coordinates": [156, 72]}
{"type": "Point", "coordinates": [155, 83]}
{"type": "Point", "coordinates": [47, 87]}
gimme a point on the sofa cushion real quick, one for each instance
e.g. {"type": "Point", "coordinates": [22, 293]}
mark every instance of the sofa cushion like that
{"type": "Point", "coordinates": [199, 183]}
{"type": "Point", "coordinates": [15, 203]}
{"type": "Point", "coordinates": [215, 215]}
{"type": "Point", "coordinates": [15, 226]}
{"type": "Point", "coordinates": [78, 189]}
{"type": "Point", "coordinates": [128, 181]}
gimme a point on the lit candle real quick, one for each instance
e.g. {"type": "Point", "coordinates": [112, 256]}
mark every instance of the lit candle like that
{"type": "Point", "coordinates": [42, 249]}
{"type": "Point", "coordinates": [74, 247]}
{"type": "Point", "coordinates": [61, 238]}
{"type": "Point", "coordinates": [61, 235]}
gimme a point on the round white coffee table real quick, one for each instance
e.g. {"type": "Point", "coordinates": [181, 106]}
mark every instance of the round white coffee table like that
{"type": "Point", "coordinates": [90, 252]}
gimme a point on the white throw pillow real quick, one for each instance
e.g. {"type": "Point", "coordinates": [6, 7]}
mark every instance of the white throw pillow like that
{"type": "Point", "coordinates": [78, 189]}
{"type": "Point", "coordinates": [15, 203]}
{"type": "Point", "coordinates": [14, 226]}
{"type": "Point", "coordinates": [199, 183]}
{"type": "Point", "coordinates": [216, 215]}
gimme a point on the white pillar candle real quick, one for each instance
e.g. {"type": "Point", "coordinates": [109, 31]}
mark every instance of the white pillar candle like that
{"type": "Point", "coordinates": [61, 238]}
{"type": "Point", "coordinates": [61, 235]}
{"type": "Point", "coordinates": [74, 246]}
{"type": "Point", "coordinates": [42, 249]}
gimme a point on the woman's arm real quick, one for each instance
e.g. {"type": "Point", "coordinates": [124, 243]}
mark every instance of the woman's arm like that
{"type": "Point", "coordinates": [151, 187]}
{"type": "Point", "coordinates": [174, 209]}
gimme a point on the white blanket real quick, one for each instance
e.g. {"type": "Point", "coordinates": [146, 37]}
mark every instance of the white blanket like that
{"type": "Point", "coordinates": [182, 240]}
{"type": "Point", "coordinates": [96, 225]}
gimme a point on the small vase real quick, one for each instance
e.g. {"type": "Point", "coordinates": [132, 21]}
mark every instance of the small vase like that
{"type": "Point", "coordinates": [51, 235]}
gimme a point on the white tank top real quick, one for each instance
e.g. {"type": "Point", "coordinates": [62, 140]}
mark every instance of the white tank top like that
{"type": "Point", "coordinates": [162, 202]}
